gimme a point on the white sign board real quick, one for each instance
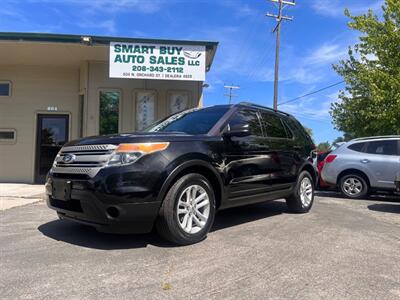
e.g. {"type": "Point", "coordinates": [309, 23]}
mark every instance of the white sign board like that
{"type": "Point", "coordinates": [157, 61]}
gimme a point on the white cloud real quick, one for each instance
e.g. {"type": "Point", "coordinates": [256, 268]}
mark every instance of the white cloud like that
{"type": "Point", "coordinates": [98, 15]}
{"type": "Point", "coordinates": [311, 108]}
{"type": "Point", "coordinates": [315, 107]}
{"type": "Point", "coordinates": [10, 12]}
{"type": "Point", "coordinates": [112, 6]}
{"type": "Point", "coordinates": [314, 67]}
{"type": "Point", "coordinates": [13, 18]}
{"type": "Point", "coordinates": [326, 54]}
{"type": "Point", "coordinates": [335, 8]}
{"type": "Point", "coordinates": [141, 6]}
{"type": "Point", "coordinates": [107, 26]}
{"type": "Point", "coordinates": [240, 9]}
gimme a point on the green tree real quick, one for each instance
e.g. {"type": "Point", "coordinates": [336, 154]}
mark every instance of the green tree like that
{"type": "Point", "coordinates": [339, 139]}
{"type": "Point", "coordinates": [309, 131]}
{"type": "Point", "coordinates": [324, 146]}
{"type": "Point", "coordinates": [370, 102]}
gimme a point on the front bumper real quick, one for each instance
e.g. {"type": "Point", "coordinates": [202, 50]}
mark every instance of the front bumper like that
{"type": "Point", "coordinates": [116, 211]}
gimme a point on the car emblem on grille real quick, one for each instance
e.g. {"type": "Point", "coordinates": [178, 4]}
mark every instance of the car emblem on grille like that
{"type": "Point", "coordinates": [68, 158]}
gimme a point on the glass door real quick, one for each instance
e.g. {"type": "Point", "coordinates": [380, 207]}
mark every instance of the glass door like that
{"type": "Point", "coordinates": [51, 135]}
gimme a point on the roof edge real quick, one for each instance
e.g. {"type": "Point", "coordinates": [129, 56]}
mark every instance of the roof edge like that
{"type": "Point", "coordinates": [96, 39]}
{"type": "Point", "coordinates": [211, 47]}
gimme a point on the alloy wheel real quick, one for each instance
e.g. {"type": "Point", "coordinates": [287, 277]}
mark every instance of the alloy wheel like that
{"type": "Point", "coordinates": [352, 186]}
{"type": "Point", "coordinates": [306, 191]}
{"type": "Point", "coordinates": [193, 209]}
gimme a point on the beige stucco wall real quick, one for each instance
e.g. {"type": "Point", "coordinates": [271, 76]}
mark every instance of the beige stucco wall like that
{"type": "Point", "coordinates": [34, 88]}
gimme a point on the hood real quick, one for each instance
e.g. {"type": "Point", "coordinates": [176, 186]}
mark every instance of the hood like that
{"type": "Point", "coordinates": [136, 137]}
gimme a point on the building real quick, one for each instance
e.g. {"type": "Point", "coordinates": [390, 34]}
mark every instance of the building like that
{"type": "Point", "coordinates": [55, 88]}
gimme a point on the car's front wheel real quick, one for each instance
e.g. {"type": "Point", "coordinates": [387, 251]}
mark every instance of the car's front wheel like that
{"type": "Point", "coordinates": [188, 210]}
{"type": "Point", "coordinates": [302, 198]}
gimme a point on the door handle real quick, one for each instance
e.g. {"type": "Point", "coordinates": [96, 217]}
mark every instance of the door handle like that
{"type": "Point", "coordinates": [364, 161]}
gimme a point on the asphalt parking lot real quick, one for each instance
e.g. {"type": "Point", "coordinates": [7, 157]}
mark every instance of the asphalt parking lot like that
{"type": "Point", "coordinates": [342, 249]}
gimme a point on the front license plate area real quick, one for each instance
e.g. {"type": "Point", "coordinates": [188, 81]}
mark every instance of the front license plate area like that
{"type": "Point", "coordinates": [61, 190]}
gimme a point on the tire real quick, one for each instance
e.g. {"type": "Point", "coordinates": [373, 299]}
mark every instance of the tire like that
{"type": "Point", "coordinates": [302, 198]}
{"type": "Point", "coordinates": [353, 186]}
{"type": "Point", "coordinates": [171, 224]}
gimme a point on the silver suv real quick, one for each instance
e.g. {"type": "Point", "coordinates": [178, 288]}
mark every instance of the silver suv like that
{"type": "Point", "coordinates": [364, 164]}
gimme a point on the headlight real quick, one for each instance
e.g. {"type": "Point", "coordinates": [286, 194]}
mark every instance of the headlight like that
{"type": "Point", "coordinates": [56, 158]}
{"type": "Point", "coordinates": [129, 153]}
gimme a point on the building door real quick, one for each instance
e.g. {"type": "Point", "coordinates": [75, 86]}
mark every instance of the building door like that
{"type": "Point", "coordinates": [51, 135]}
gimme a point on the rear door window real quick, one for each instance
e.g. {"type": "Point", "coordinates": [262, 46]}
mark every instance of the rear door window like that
{"type": "Point", "coordinates": [357, 147]}
{"type": "Point", "coordinates": [247, 117]}
{"type": "Point", "coordinates": [273, 126]}
{"type": "Point", "coordinates": [289, 132]}
{"type": "Point", "coordinates": [388, 147]}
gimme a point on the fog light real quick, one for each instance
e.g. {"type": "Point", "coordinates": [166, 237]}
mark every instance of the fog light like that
{"type": "Point", "coordinates": [113, 212]}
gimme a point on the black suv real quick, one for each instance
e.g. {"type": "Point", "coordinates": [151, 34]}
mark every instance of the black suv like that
{"type": "Point", "coordinates": [178, 172]}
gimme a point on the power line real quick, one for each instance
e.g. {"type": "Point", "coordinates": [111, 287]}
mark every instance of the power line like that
{"type": "Point", "coordinates": [247, 42]}
{"type": "Point", "coordinates": [260, 62]}
{"type": "Point", "coordinates": [279, 18]}
{"type": "Point", "coordinates": [312, 93]}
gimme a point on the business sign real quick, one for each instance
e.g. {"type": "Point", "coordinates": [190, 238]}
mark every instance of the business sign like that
{"type": "Point", "coordinates": [157, 61]}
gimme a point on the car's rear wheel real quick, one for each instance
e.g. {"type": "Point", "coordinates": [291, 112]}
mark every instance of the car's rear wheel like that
{"type": "Point", "coordinates": [353, 186]}
{"type": "Point", "coordinates": [302, 198]}
{"type": "Point", "coordinates": [188, 210]}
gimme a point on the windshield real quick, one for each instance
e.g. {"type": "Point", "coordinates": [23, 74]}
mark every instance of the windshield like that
{"type": "Point", "coordinates": [193, 121]}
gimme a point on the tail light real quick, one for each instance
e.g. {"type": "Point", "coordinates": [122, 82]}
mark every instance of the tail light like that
{"type": "Point", "coordinates": [330, 158]}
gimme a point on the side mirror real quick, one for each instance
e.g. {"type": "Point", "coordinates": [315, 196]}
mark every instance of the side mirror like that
{"type": "Point", "coordinates": [314, 154]}
{"type": "Point", "coordinates": [238, 130]}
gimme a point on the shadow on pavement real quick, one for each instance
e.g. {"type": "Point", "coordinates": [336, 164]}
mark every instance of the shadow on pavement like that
{"type": "Point", "coordinates": [388, 208]}
{"type": "Point", "coordinates": [374, 197]}
{"type": "Point", "coordinates": [244, 214]}
{"type": "Point", "coordinates": [86, 236]}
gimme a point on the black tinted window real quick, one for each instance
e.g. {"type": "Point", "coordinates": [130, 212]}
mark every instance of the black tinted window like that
{"type": "Point", "coordinates": [288, 130]}
{"type": "Point", "coordinates": [273, 125]}
{"type": "Point", "coordinates": [247, 117]}
{"type": "Point", "coordinates": [7, 135]}
{"type": "Point", "coordinates": [383, 147]}
{"type": "Point", "coordinates": [297, 129]}
{"type": "Point", "coordinates": [321, 157]}
{"type": "Point", "coordinates": [357, 147]}
{"type": "Point", "coordinates": [197, 121]}
{"type": "Point", "coordinates": [4, 89]}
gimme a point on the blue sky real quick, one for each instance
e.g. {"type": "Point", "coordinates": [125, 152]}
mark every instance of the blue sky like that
{"type": "Point", "coordinates": [316, 38]}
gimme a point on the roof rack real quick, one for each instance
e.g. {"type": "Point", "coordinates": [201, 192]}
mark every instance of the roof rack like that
{"type": "Point", "coordinates": [376, 137]}
{"type": "Point", "coordinates": [263, 107]}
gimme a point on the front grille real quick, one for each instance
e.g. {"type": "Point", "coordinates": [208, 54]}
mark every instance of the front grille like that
{"type": "Point", "coordinates": [72, 205]}
{"type": "Point", "coordinates": [71, 176]}
{"type": "Point", "coordinates": [85, 160]}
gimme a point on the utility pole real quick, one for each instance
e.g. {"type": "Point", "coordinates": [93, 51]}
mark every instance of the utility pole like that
{"type": "Point", "coordinates": [279, 17]}
{"type": "Point", "coordinates": [230, 95]}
